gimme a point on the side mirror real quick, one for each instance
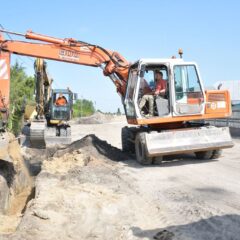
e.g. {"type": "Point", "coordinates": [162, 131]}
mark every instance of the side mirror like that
{"type": "Point", "coordinates": [142, 71]}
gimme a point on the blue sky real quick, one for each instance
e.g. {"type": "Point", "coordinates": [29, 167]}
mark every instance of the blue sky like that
{"type": "Point", "coordinates": [208, 32]}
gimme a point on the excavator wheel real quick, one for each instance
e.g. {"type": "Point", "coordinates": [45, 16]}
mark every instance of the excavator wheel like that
{"type": "Point", "coordinates": [128, 140]}
{"type": "Point", "coordinates": [141, 151]}
{"type": "Point", "coordinates": [204, 155]}
{"type": "Point", "coordinates": [216, 154]}
{"type": "Point", "coordinates": [65, 132]}
{"type": "Point", "coordinates": [69, 132]}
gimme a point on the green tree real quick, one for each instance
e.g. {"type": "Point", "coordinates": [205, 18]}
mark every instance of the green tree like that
{"type": "Point", "coordinates": [21, 93]}
{"type": "Point", "coordinates": [83, 108]}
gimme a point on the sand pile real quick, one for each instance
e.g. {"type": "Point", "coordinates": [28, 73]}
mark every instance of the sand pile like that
{"type": "Point", "coordinates": [94, 147]}
{"type": "Point", "coordinates": [88, 150]}
{"type": "Point", "coordinates": [82, 193]}
{"type": "Point", "coordinates": [68, 161]}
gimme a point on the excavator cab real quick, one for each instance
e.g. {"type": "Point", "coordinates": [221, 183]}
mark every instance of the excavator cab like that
{"type": "Point", "coordinates": [54, 127]}
{"type": "Point", "coordinates": [61, 105]}
{"type": "Point", "coordinates": [184, 92]}
{"type": "Point", "coordinates": [58, 114]}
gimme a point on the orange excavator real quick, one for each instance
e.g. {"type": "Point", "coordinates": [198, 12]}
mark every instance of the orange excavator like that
{"type": "Point", "coordinates": [176, 124]}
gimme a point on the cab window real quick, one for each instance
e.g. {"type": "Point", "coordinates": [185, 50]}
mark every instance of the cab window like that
{"type": "Point", "coordinates": [187, 84]}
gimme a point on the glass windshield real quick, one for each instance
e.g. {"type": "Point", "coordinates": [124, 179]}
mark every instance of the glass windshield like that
{"type": "Point", "coordinates": [129, 99]}
{"type": "Point", "coordinates": [148, 83]}
{"type": "Point", "coordinates": [131, 84]}
{"type": "Point", "coordinates": [61, 99]}
{"type": "Point", "coordinates": [187, 84]}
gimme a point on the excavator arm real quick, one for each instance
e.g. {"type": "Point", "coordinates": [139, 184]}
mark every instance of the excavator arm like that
{"type": "Point", "coordinates": [43, 83]}
{"type": "Point", "coordinates": [71, 51]}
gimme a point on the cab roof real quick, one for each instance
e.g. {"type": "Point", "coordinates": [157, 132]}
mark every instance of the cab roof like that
{"type": "Point", "coordinates": [162, 60]}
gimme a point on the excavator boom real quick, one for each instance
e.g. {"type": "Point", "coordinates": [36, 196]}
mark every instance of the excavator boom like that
{"type": "Point", "coordinates": [72, 51]}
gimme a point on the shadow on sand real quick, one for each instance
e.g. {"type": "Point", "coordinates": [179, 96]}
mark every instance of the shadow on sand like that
{"type": "Point", "coordinates": [116, 154]}
{"type": "Point", "coordinates": [226, 227]}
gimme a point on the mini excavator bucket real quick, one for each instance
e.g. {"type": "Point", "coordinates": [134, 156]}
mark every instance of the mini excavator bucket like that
{"type": "Point", "coordinates": [37, 139]}
{"type": "Point", "coordinates": [38, 135]}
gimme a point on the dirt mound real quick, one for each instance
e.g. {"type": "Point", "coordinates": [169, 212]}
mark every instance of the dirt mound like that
{"type": "Point", "coordinates": [96, 118]}
{"type": "Point", "coordinates": [94, 146]}
{"type": "Point", "coordinates": [83, 193]}
{"type": "Point", "coordinates": [67, 162]}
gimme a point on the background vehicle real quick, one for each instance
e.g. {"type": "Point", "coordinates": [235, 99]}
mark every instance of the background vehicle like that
{"type": "Point", "coordinates": [51, 121]}
{"type": "Point", "coordinates": [171, 130]}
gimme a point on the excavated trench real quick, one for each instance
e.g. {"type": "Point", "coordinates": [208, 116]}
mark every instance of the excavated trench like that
{"type": "Point", "coordinates": [16, 187]}
{"type": "Point", "coordinates": [18, 174]}
{"type": "Point", "coordinates": [19, 168]}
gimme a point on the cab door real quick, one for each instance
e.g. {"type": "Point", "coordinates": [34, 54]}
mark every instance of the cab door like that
{"type": "Point", "coordinates": [129, 105]}
{"type": "Point", "coordinates": [189, 94]}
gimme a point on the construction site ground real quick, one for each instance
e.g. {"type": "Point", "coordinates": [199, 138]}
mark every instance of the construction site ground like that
{"type": "Point", "coordinates": [92, 190]}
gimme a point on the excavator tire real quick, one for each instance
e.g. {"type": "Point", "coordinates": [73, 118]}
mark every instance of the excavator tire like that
{"type": "Point", "coordinates": [141, 150]}
{"type": "Point", "coordinates": [216, 154]}
{"type": "Point", "coordinates": [128, 140]}
{"type": "Point", "coordinates": [69, 132]}
{"type": "Point", "coordinates": [63, 132]}
{"type": "Point", "coordinates": [204, 155]}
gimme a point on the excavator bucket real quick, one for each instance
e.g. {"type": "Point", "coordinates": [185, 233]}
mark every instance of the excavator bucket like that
{"type": "Point", "coordinates": [187, 140]}
{"type": "Point", "coordinates": [36, 134]}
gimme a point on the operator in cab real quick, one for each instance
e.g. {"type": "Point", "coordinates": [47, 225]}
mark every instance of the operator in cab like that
{"type": "Point", "coordinates": [61, 100]}
{"type": "Point", "coordinates": [159, 90]}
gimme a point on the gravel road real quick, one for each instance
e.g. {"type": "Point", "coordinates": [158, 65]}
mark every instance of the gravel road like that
{"type": "Point", "coordinates": [196, 199]}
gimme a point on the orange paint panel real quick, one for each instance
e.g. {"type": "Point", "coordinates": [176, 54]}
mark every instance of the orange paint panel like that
{"type": "Point", "coordinates": [217, 102]}
{"type": "Point", "coordinates": [159, 120]}
{"type": "Point", "coordinates": [4, 79]}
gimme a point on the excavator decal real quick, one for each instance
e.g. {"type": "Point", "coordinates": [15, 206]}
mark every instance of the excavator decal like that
{"type": "Point", "coordinates": [69, 55]}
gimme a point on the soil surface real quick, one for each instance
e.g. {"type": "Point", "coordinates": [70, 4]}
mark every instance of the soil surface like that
{"type": "Point", "coordinates": [92, 190]}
